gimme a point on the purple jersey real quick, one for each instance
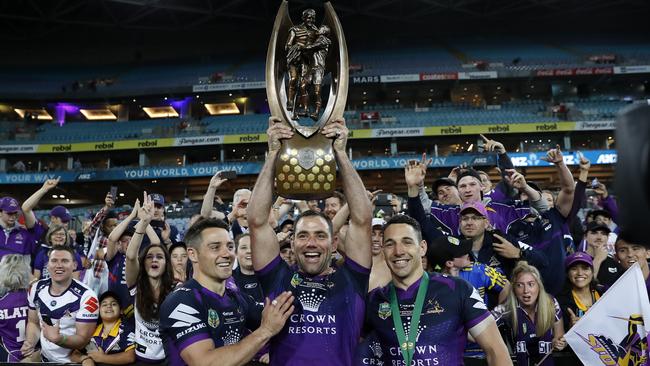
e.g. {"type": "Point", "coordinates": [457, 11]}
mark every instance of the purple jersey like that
{"type": "Point", "coordinates": [193, 313]}
{"type": "Point", "coordinates": [451, 307]}
{"type": "Point", "coordinates": [121, 338]}
{"type": "Point", "coordinates": [117, 283]}
{"type": "Point", "coordinates": [19, 240]}
{"type": "Point", "coordinates": [500, 215]}
{"type": "Point", "coordinates": [13, 320]}
{"type": "Point", "coordinates": [329, 310]}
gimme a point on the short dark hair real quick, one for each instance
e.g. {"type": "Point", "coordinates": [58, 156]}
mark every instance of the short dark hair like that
{"type": "Point", "coordinates": [310, 213]}
{"type": "Point", "coordinates": [468, 173]}
{"type": "Point", "coordinates": [404, 219]}
{"type": "Point", "coordinates": [112, 294]}
{"type": "Point", "coordinates": [238, 238]}
{"type": "Point", "coordinates": [193, 234]}
{"type": "Point", "coordinates": [62, 248]}
{"type": "Point", "coordinates": [340, 196]}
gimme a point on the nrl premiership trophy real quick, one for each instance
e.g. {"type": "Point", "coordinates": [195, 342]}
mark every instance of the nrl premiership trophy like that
{"type": "Point", "coordinates": [300, 57]}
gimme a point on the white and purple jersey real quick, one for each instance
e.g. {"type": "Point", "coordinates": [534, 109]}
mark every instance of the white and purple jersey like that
{"type": "Point", "coordinates": [78, 303]}
{"type": "Point", "coordinates": [148, 344]}
{"type": "Point", "coordinates": [193, 313]}
{"type": "Point", "coordinates": [451, 308]}
{"type": "Point", "coordinates": [329, 311]}
{"type": "Point", "coordinates": [13, 321]}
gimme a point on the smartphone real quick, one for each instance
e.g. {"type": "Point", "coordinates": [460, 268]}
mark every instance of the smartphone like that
{"type": "Point", "coordinates": [494, 238]}
{"type": "Point", "coordinates": [47, 320]}
{"type": "Point", "coordinates": [384, 199]}
{"type": "Point", "coordinates": [228, 174]}
{"type": "Point", "coordinates": [114, 193]}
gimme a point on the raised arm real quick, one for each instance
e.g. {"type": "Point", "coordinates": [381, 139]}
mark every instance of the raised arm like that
{"type": "Point", "coordinates": [132, 266]}
{"type": "Point", "coordinates": [567, 186]}
{"type": "Point", "coordinates": [264, 243]}
{"type": "Point", "coordinates": [32, 201]}
{"type": "Point", "coordinates": [208, 200]}
{"type": "Point", "coordinates": [358, 238]}
{"type": "Point", "coordinates": [114, 236]}
{"type": "Point", "coordinates": [518, 181]}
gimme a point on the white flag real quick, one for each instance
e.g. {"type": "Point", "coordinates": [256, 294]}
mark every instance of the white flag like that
{"type": "Point", "coordinates": [615, 330]}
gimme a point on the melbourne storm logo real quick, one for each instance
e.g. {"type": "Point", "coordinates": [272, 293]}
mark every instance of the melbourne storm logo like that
{"type": "Point", "coordinates": [631, 351]}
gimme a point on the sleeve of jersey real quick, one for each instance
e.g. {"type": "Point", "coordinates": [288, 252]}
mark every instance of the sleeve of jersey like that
{"type": "Point", "coordinates": [474, 309]}
{"type": "Point", "coordinates": [39, 262]}
{"type": "Point", "coordinates": [360, 276]}
{"type": "Point", "coordinates": [273, 276]}
{"type": "Point", "coordinates": [181, 321]}
{"type": "Point", "coordinates": [497, 279]}
{"type": "Point", "coordinates": [89, 308]}
{"type": "Point", "coordinates": [80, 265]}
{"type": "Point", "coordinates": [127, 339]}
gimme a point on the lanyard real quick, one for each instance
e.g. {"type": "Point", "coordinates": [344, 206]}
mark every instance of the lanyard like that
{"type": "Point", "coordinates": [408, 345]}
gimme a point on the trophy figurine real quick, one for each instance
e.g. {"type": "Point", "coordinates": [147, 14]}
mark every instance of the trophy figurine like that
{"type": "Point", "coordinates": [299, 59]}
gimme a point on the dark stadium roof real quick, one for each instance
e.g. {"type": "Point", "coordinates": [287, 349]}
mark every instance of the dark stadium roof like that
{"type": "Point", "coordinates": [128, 25]}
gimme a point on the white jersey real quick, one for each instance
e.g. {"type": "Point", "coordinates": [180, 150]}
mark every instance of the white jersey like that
{"type": "Point", "coordinates": [78, 303]}
{"type": "Point", "coordinates": [148, 344]}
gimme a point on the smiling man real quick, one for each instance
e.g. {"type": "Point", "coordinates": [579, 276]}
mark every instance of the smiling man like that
{"type": "Point", "coordinates": [326, 325]}
{"type": "Point", "coordinates": [422, 318]}
{"type": "Point", "coordinates": [62, 311]}
{"type": "Point", "coordinates": [205, 322]}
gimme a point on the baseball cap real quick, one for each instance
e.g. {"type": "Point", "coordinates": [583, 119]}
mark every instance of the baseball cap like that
{"type": "Point", "coordinates": [595, 226]}
{"type": "Point", "coordinates": [466, 173]}
{"type": "Point", "coordinates": [442, 181]}
{"type": "Point", "coordinates": [109, 294]}
{"type": "Point", "coordinates": [446, 248]}
{"type": "Point", "coordinates": [9, 205]}
{"type": "Point", "coordinates": [61, 212]}
{"type": "Point", "coordinates": [158, 199]}
{"type": "Point", "coordinates": [476, 206]}
{"type": "Point", "coordinates": [377, 221]}
{"type": "Point", "coordinates": [578, 257]}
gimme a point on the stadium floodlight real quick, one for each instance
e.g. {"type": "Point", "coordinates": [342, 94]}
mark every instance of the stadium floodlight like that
{"type": "Point", "coordinates": [160, 112]}
{"type": "Point", "coordinates": [98, 114]}
{"type": "Point", "coordinates": [39, 114]}
{"type": "Point", "coordinates": [215, 109]}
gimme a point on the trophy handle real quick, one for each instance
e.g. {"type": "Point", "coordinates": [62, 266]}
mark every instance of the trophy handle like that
{"type": "Point", "coordinates": [276, 66]}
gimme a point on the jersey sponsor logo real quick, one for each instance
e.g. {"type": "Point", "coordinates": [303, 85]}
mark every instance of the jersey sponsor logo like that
{"type": "Point", "coordinates": [53, 303]}
{"type": "Point", "coordinates": [91, 305]}
{"type": "Point", "coordinates": [191, 329]}
{"type": "Point", "coordinates": [384, 310]}
{"type": "Point", "coordinates": [479, 304]}
{"type": "Point", "coordinates": [295, 280]}
{"type": "Point", "coordinates": [250, 285]}
{"type": "Point", "coordinates": [310, 300]}
{"type": "Point", "coordinates": [612, 269]}
{"type": "Point", "coordinates": [213, 318]}
{"type": "Point", "coordinates": [183, 315]}
{"type": "Point", "coordinates": [435, 307]}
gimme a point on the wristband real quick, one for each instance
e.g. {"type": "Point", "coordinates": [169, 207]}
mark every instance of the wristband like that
{"type": "Point", "coordinates": [136, 232]}
{"type": "Point", "coordinates": [62, 341]}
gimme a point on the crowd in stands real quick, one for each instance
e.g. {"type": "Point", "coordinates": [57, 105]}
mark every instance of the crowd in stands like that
{"type": "Point", "coordinates": [494, 270]}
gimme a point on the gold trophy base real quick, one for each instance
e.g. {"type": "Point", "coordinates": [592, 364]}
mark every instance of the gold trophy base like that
{"type": "Point", "coordinates": [306, 168]}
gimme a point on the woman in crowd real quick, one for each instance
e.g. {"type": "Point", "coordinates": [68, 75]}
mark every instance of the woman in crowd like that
{"type": "Point", "coordinates": [581, 290]}
{"type": "Point", "coordinates": [14, 283]}
{"type": "Point", "coordinates": [533, 318]}
{"type": "Point", "coordinates": [178, 254]}
{"type": "Point", "coordinates": [57, 235]}
{"type": "Point", "coordinates": [113, 340]}
{"type": "Point", "coordinates": [149, 277]}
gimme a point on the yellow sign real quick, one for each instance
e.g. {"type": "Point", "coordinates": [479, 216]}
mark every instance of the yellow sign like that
{"type": "Point", "coordinates": [449, 130]}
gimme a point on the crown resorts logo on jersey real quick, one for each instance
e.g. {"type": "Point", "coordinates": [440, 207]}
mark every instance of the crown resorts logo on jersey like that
{"type": "Point", "coordinates": [384, 310]}
{"type": "Point", "coordinates": [232, 336]}
{"type": "Point", "coordinates": [632, 350]}
{"type": "Point", "coordinates": [213, 318]}
{"type": "Point", "coordinates": [310, 300]}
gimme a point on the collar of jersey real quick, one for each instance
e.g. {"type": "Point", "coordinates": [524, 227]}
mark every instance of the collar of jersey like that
{"type": "Point", "coordinates": [114, 331]}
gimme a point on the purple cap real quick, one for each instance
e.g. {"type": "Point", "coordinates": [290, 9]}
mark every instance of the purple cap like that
{"type": "Point", "coordinates": [61, 212]}
{"type": "Point", "coordinates": [157, 199]}
{"type": "Point", "coordinates": [476, 206]}
{"type": "Point", "coordinates": [578, 257]}
{"type": "Point", "coordinates": [9, 205]}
